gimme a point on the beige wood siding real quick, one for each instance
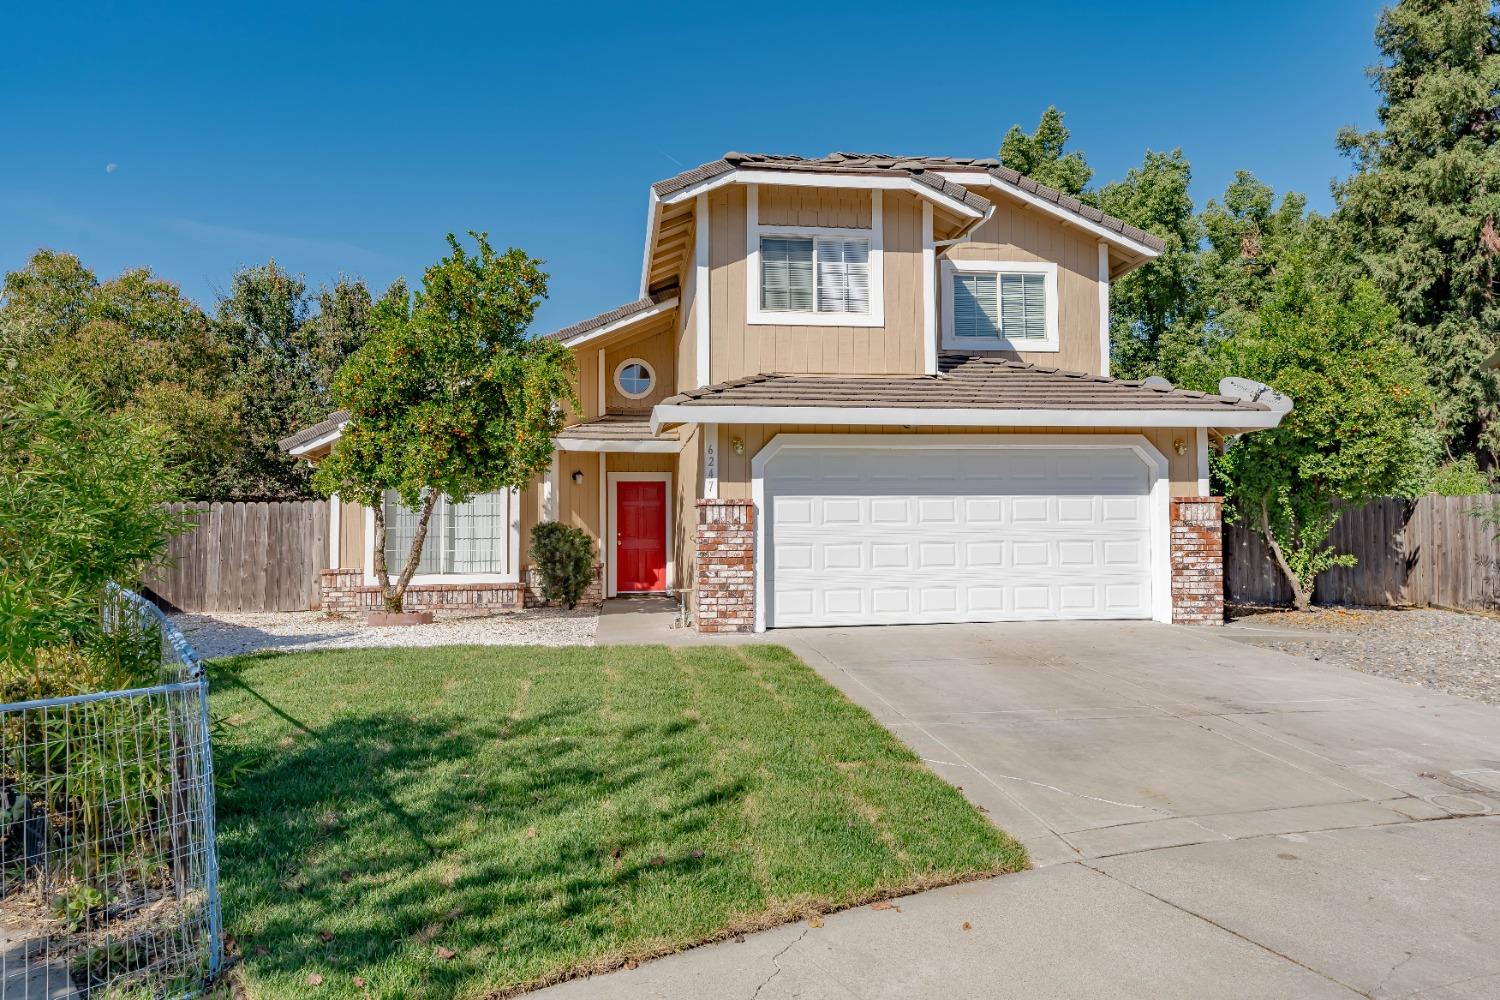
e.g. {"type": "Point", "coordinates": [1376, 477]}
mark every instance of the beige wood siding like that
{"type": "Point", "coordinates": [738, 349]}
{"type": "Point", "coordinates": [840, 208]}
{"type": "Point", "coordinates": [351, 536]}
{"type": "Point", "coordinates": [735, 478]}
{"type": "Point", "coordinates": [657, 346]}
{"type": "Point", "coordinates": [531, 516]}
{"type": "Point", "coordinates": [578, 503]}
{"type": "Point", "coordinates": [587, 386]}
{"type": "Point", "coordinates": [1016, 232]}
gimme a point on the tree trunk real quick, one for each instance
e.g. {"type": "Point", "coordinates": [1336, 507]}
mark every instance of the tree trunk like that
{"type": "Point", "coordinates": [1301, 599]}
{"type": "Point", "coordinates": [395, 600]}
{"type": "Point", "coordinates": [382, 574]}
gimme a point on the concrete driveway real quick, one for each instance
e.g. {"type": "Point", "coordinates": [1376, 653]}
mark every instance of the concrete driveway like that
{"type": "Point", "coordinates": [1206, 818]}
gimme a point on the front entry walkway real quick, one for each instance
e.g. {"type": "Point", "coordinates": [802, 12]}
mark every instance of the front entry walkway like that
{"type": "Point", "coordinates": [1206, 818]}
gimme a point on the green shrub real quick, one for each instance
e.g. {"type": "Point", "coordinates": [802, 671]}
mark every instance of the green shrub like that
{"type": "Point", "coordinates": [81, 504]}
{"type": "Point", "coordinates": [1459, 477]}
{"type": "Point", "coordinates": [564, 556]}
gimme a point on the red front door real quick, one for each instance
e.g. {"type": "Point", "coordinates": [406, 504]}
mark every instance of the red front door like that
{"type": "Point", "coordinates": [640, 536]}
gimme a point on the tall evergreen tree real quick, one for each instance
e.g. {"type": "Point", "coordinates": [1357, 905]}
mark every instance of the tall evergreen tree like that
{"type": "Point", "coordinates": [1422, 207]}
{"type": "Point", "coordinates": [1039, 155]}
{"type": "Point", "coordinates": [1152, 302]}
{"type": "Point", "coordinates": [284, 355]}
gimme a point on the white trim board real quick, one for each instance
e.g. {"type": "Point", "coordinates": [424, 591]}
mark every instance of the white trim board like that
{"type": "Point", "coordinates": [755, 232]}
{"type": "Point", "coordinates": [611, 567]}
{"type": "Point", "coordinates": [916, 416]}
{"type": "Point", "coordinates": [1047, 269]}
{"type": "Point", "coordinates": [826, 180]}
{"type": "Point", "coordinates": [702, 276]}
{"type": "Point", "coordinates": [659, 446]}
{"type": "Point", "coordinates": [318, 442]}
{"type": "Point", "coordinates": [981, 179]}
{"type": "Point", "coordinates": [929, 293]}
{"type": "Point", "coordinates": [335, 514]}
{"type": "Point", "coordinates": [1103, 308]}
{"type": "Point", "coordinates": [664, 306]}
{"type": "Point", "coordinates": [1155, 462]}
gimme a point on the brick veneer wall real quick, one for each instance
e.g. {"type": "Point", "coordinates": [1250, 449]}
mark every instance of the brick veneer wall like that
{"type": "Point", "coordinates": [726, 566]}
{"type": "Point", "coordinates": [1198, 560]}
{"type": "Point", "coordinates": [344, 591]}
{"type": "Point", "coordinates": [593, 594]}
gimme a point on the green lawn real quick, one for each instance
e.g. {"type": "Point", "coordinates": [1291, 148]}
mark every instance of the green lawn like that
{"type": "Point", "coordinates": [541, 812]}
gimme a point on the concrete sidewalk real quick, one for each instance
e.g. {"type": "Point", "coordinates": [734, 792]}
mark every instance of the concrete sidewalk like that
{"type": "Point", "coordinates": [1208, 819]}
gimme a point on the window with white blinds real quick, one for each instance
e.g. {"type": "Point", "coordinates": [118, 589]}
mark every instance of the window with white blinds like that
{"type": "Point", "coordinates": [1002, 306]}
{"type": "Point", "coordinates": [462, 538]}
{"type": "Point", "coordinates": [814, 274]}
{"type": "Point", "coordinates": [1013, 306]}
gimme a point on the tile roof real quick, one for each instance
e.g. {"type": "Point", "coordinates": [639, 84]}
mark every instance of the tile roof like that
{"type": "Point", "coordinates": [615, 427]}
{"type": "Point", "coordinates": [918, 169]}
{"type": "Point", "coordinates": [924, 169]}
{"type": "Point", "coordinates": [963, 382]}
{"type": "Point", "coordinates": [328, 424]}
{"type": "Point", "coordinates": [613, 315]}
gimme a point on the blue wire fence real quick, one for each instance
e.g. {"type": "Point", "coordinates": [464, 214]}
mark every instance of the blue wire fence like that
{"type": "Point", "coordinates": [109, 875]}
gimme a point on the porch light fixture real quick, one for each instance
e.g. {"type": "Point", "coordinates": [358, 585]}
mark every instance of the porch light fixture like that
{"type": "Point", "coordinates": [737, 446]}
{"type": "Point", "coordinates": [1179, 446]}
{"type": "Point", "coordinates": [577, 475]}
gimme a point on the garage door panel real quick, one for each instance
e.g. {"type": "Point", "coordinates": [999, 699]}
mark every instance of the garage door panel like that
{"type": "Point", "coordinates": [902, 534]}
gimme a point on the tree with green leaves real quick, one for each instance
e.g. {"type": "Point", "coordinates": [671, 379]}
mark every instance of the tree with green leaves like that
{"type": "Point", "coordinates": [1040, 156]}
{"type": "Point", "coordinates": [284, 353]}
{"type": "Point", "coordinates": [1356, 432]}
{"type": "Point", "coordinates": [1422, 207]}
{"type": "Point", "coordinates": [81, 504]}
{"type": "Point", "coordinates": [1159, 300]}
{"type": "Point", "coordinates": [135, 344]}
{"type": "Point", "coordinates": [449, 397]}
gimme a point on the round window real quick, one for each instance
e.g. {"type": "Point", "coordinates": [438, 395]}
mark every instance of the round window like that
{"type": "Point", "coordinates": [634, 378]}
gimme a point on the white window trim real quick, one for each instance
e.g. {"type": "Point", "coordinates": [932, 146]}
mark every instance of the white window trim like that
{"type": "Point", "coordinates": [649, 371]}
{"type": "Point", "coordinates": [754, 231]}
{"type": "Point", "coordinates": [1154, 460]}
{"type": "Point", "coordinates": [1045, 268]}
{"type": "Point", "coordinates": [419, 579]}
{"type": "Point", "coordinates": [611, 564]}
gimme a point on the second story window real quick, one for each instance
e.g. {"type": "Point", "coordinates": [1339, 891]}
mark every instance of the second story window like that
{"type": "Point", "coordinates": [798, 274]}
{"type": "Point", "coordinates": [999, 305]}
{"type": "Point", "coordinates": [802, 274]}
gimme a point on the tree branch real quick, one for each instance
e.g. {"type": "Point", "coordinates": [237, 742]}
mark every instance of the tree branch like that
{"type": "Point", "coordinates": [1301, 599]}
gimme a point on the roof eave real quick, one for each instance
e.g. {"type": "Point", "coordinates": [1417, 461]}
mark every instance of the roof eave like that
{"type": "Point", "coordinates": [678, 411]}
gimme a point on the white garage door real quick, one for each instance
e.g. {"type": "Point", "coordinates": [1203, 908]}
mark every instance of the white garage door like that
{"type": "Point", "coordinates": [925, 534]}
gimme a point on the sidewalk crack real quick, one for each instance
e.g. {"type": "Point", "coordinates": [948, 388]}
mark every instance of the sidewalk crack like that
{"type": "Point", "coordinates": [776, 961]}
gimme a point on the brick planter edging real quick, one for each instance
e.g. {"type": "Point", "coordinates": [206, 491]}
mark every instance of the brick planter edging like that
{"type": "Point", "coordinates": [344, 591]}
{"type": "Point", "coordinates": [1198, 560]}
{"type": "Point", "coordinates": [726, 566]}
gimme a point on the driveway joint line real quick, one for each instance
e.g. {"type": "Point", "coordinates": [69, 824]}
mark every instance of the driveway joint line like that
{"type": "Point", "coordinates": [1228, 930]}
{"type": "Point", "coordinates": [926, 732]}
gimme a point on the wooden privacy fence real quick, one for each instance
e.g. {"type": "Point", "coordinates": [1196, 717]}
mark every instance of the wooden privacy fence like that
{"type": "Point", "coordinates": [1431, 551]}
{"type": "Point", "coordinates": [245, 557]}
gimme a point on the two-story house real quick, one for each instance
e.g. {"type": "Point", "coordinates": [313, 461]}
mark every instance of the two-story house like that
{"type": "Point", "coordinates": [858, 389]}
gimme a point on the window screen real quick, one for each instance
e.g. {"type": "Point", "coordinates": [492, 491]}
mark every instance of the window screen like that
{"type": "Point", "coordinates": [814, 274]}
{"type": "Point", "coordinates": [987, 305]}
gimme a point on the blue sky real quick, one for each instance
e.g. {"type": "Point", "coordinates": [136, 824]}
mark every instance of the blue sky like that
{"type": "Point", "coordinates": [349, 138]}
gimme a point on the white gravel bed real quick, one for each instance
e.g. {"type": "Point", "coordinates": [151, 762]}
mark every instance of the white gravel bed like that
{"type": "Point", "coordinates": [1447, 651]}
{"type": "Point", "coordinates": [224, 634]}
